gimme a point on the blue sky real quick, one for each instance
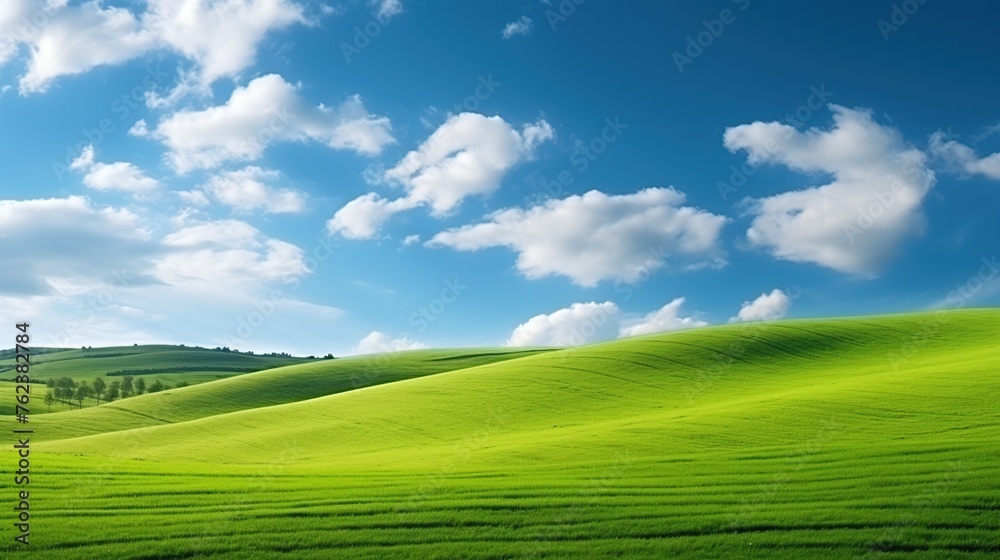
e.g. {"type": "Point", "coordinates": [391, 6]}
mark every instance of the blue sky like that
{"type": "Point", "coordinates": [360, 176]}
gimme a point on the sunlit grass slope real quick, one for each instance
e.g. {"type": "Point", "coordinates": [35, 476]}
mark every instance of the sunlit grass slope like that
{"type": "Point", "coordinates": [264, 388]}
{"type": "Point", "coordinates": [845, 438]}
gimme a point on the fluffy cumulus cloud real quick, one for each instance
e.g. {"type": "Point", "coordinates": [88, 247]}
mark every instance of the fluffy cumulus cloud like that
{"type": "Point", "coordinates": [585, 323]}
{"type": "Point", "coordinates": [362, 218]}
{"type": "Point", "coordinates": [248, 189]}
{"type": "Point", "coordinates": [219, 38]}
{"type": "Point", "coordinates": [227, 253]}
{"type": "Point", "coordinates": [377, 342]}
{"type": "Point", "coordinates": [666, 318]}
{"type": "Point", "coordinates": [118, 176]}
{"type": "Point", "coordinates": [580, 323]}
{"type": "Point", "coordinates": [65, 40]}
{"type": "Point", "coordinates": [858, 220]}
{"type": "Point", "coordinates": [963, 158]}
{"type": "Point", "coordinates": [467, 155]}
{"type": "Point", "coordinates": [596, 236]}
{"type": "Point", "coordinates": [767, 307]}
{"type": "Point", "coordinates": [265, 111]}
{"type": "Point", "coordinates": [521, 26]}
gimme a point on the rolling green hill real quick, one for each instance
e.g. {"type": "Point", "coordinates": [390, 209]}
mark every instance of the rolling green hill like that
{"type": "Point", "coordinates": [843, 438]}
{"type": "Point", "coordinates": [261, 389]}
{"type": "Point", "coordinates": [171, 365]}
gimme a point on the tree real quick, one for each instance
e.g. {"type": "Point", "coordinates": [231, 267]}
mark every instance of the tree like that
{"type": "Point", "coordinates": [82, 391]}
{"type": "Point", "coordinates": [140, 386]}
{"type": "Point", "coordinates": [182, 384]}
{"type": "Point", "coordinates": [65, 389]}
{"type": "Point", "coordinates": [156, 386]}
{"type": "Point", "coordinates": [114, 390]}
{"type": "Point", "coordinates": [49, 399]}
{"type": "Point", "coordinates": [99, 386]}
{"type": "Point", "coordinates": [127, 387]}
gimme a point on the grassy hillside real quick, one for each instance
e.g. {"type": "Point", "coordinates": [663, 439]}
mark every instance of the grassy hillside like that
{"type": "Point", "coordinates": [261, 389]}
{"type": "Point", "coordinates": [845, 438]}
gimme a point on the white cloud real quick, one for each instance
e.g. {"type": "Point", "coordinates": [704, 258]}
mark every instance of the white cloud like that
{"type": "Point", "coordinates": [580, 323]}
{"type": "Point", "coordinates": [853, 224]}
{"type": "Point", "coordinates": [411, 240]}
{"type": "Point", "coordinates": [75, 39]}
{"type": "Point", "coordinates": [667, 318]}
{"type": "Point", "coordinates": [219, 38]}
{"type": "Point", "coordinates": [468, 155]}
{"type": "Point", "coordinates": [964, 158]}
{"type": "Point", "coordinates": [265, 111]}
{"type": "Point", "coordinates": [118, 176]}
{"type": "Point", "coordinates": [595, 236]}
{"type": "Point", "coordinates": [362, 218]}
{"type": "Point", "coordinates": [139, 129]}
{"type": "Point", "coordinates": [228, 253]}
{"type": "Point", "coordinates": [13, 16]}
{"type": "Point", "coordinates": [387, 8]}
{"type": "Point", "coordinates": [521, 26]}
{"type": "Point", "coordinates": [767, 307]}
{"type": "Point", "coordinates": [377, 343]}
{"type": "Point", "coordinates": [586, 323]}
{"type": "Point", "coordinates": [246, 190]}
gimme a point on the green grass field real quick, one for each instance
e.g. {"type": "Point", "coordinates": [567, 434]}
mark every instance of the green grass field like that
{"type": "Point", "coordinates": [870, 437]}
